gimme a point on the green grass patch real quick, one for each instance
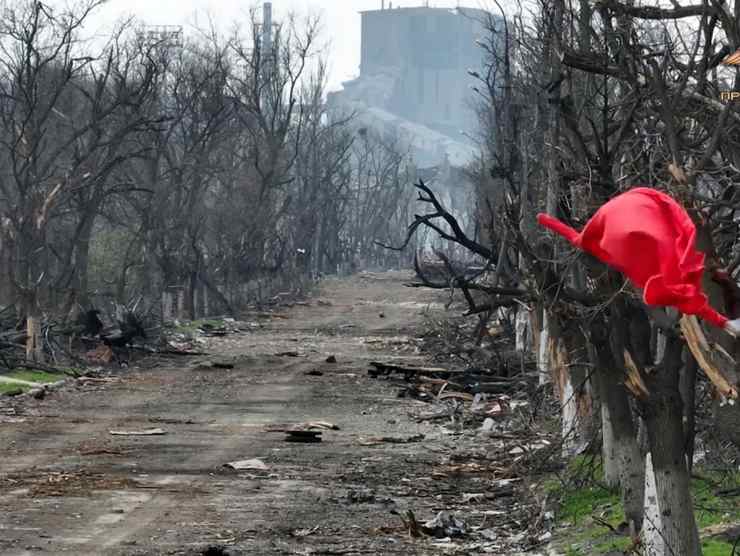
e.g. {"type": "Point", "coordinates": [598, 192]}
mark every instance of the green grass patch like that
{"type": "Point", "coordinates": [29, 376]}
{"type": "Point", "coordinates": [713, 547]}
{"type": "Point", "coordinates": [710, 509]}
{"type": "Point", "coordinates": [617, 543]}
{"type": "Point", "coordinates": [580, 504]}
{"type": "Point", "coordinates": [579, 534]}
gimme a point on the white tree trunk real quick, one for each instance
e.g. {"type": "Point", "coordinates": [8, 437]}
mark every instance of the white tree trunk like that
{"type": "Point", "coordinates": [660, 346]}
{"type": "Point", "coordinates": [521, 327]}
{"type": "Point", "coordinates": [663, 417]}
{"type": "Point", "coordinates": [621, 450]}
{"type": "Point", "coordinates": [34, 346]}
{"type": "Point", "coordinates": [572, 442]}
{"type": "Point", "coordinates": [609, 449]}
{"type": "Point", "coordinates": [575, 407]}
{"type": "Point", "coordinates": [120, 312]}
{"type": "Point", "coordinates": [196, 301]}
{"type": "Point", "coordinates": [181, 303]}
{"type": "Point", "coordinates": [666, 507]}
{"type": "Point", "coordinates": [652, 525]}
{"type": "Point", "coordinates": [167, 306]}
{"type": "Point", "coordinates": [631, 479]}
{"type": "Point", "coordinates": [543, 351]}
{"type": "Point", "coordinates": [206, 306]}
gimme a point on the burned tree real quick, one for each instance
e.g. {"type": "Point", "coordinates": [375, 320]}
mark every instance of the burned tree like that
{"type": "Point", "coordinates": [65, 117]}
{"type": "Point", "coordinates": [630, 105]}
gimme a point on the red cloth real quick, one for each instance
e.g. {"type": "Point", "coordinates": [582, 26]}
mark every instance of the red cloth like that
{"type": "Point", "coordinates": [648, 237]}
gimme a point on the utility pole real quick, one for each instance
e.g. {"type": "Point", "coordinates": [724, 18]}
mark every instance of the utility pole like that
{"type": "Point", "coordinates": [267, 27]}
{"type": "Point", "coordinates": [268, 45]}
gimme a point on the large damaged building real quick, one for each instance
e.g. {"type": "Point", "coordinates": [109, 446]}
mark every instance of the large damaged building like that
{"type": "Point", "coordinates": [415, 85]}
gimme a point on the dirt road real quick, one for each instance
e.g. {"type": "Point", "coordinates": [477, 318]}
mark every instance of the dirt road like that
{"type": "Point", "coordinates": [67, 486]}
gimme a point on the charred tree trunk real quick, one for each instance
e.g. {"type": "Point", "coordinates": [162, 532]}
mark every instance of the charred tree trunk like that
{"type": "Point", "coordinates": [622, 450]}
{"type": "Point", "coordinates": [34, 345]}
{"type": "Point", "coordinates": [192, 296]}
{"type": "Point", "coordinates": [27, 290]}
{"type": "Point", "coordinates": [543, 349]}
{"type": "Point", "coordinates": [568, 361]}
{"type": "Point", "coordinates": [727, 416]}
{"type": "Point", "coordinates": [687, 386]}
{"type": "Point", "coordinates": [79, 267]}
{"type": "Point", "coordinates": [609, 453]}
{"type": "Point", "coordinates": [528, 231]}
{"type": "Point", "coordinates": [6, 284]}
{"type": "Point", "coordinates": [552, 157]}
{"type": "Point", "coordinates": [663, 415]}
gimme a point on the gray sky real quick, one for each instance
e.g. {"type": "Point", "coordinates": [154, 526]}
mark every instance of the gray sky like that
{"type": "Point", "coordinates": [341, 20]}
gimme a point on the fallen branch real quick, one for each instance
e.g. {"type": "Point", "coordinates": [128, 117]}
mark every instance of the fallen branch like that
{"type": "Point", "coordinates": [634, 382]}
{"type": "Point", "coordinates": [385, 369]}
{"type": "Point", "coordinates": [712, 359]}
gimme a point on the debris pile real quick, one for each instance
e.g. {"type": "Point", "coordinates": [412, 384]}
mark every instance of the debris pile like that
{"type": "Point", "coordinates": [472, 394]}
{"type": "Point", "coordinates": [192, 337]}
{"type": "Point", "coordinates": [302, 432]}
{"type": "Point", "coordinates": [91, 338]}
{"type": "Point", "coordinates": [487, 453]}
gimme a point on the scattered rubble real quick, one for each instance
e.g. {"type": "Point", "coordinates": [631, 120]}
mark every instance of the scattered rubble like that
{"type": "Point", "coordinates": [300, 533]}
{"type": "Point", "coordinates": [373, 441]}
{"type": "Point", "coordinates": [216, 550]}
{"type": "Point", "coordinates": [255, 464]}
{"type": "Point", "coordinates": [364, 495]}
{"type": "Point", "coordinates": [288, 354]}
{"type": "Point", "coordinates": [302, 432]}
{"type": "Point", "coordinates": [445, 525]}
{"type": "Point", "coordinates": [145, 432]}
{"type": "Point", "coordinates": [454, 475]}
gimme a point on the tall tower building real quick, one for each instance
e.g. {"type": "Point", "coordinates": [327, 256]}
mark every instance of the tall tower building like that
{"type": "Point", "coordinates": [428, 51]}
{"type": "Point", "coordinates": [415, 86]}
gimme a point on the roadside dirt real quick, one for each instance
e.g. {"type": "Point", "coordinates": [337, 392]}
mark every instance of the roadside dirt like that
{"type": "Point", "coordinates": [67, 486]}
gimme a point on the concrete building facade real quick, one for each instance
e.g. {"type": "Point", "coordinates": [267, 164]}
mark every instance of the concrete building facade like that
{"type": "Point", "coordinates": [428, 51]}
{"type": "Point", "coordinates": [414, 79]}
{"type": "Point", "coordinates": [415, 87]}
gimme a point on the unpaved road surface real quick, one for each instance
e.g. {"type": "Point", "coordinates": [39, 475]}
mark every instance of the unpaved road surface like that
{"type": "Point", "coordinates": [67, 486]}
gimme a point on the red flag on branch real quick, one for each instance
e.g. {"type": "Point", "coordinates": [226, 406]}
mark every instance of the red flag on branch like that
{"type": "Point", "coordinates": [647, 236]}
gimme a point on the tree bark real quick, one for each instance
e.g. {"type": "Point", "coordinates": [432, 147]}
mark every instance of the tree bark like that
{"type": "Point", "coordinates": [609, 451]}
{"type": "Point", "coordinates": [34, 345]}
{"type": "Point", "coordinates": [687, 387]}
{"type": "Point", "coordinates": [727, 417]}
{"type": "Point", "coordinates": [552, 170]}
{"type": "Point", "coordinates": [571, 384]}
{"type": "Point", "coordinates": [663, 415]}
{"type": "Point", "coordinates": [80, 263]}
{"type": "Point", "coordinates": [614, 398]}
{"type": "Point", "coordinates": [652, 533]}
{"type": "Point", "coordinates": [543, 350]}
{"type": "Point", "coordinates": [522, 320]}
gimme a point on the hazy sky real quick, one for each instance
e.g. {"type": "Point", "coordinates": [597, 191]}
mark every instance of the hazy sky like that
{"type": "Point", "coordinates": [341, 20]}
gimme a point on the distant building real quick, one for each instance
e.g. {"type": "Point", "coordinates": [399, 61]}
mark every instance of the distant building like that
{"type": "Point", "coordinates": [414, 68]}
{"type": "Point", "coordinates": [415, 84]}
{"type": "Point", "coordinates": [429, 52]}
